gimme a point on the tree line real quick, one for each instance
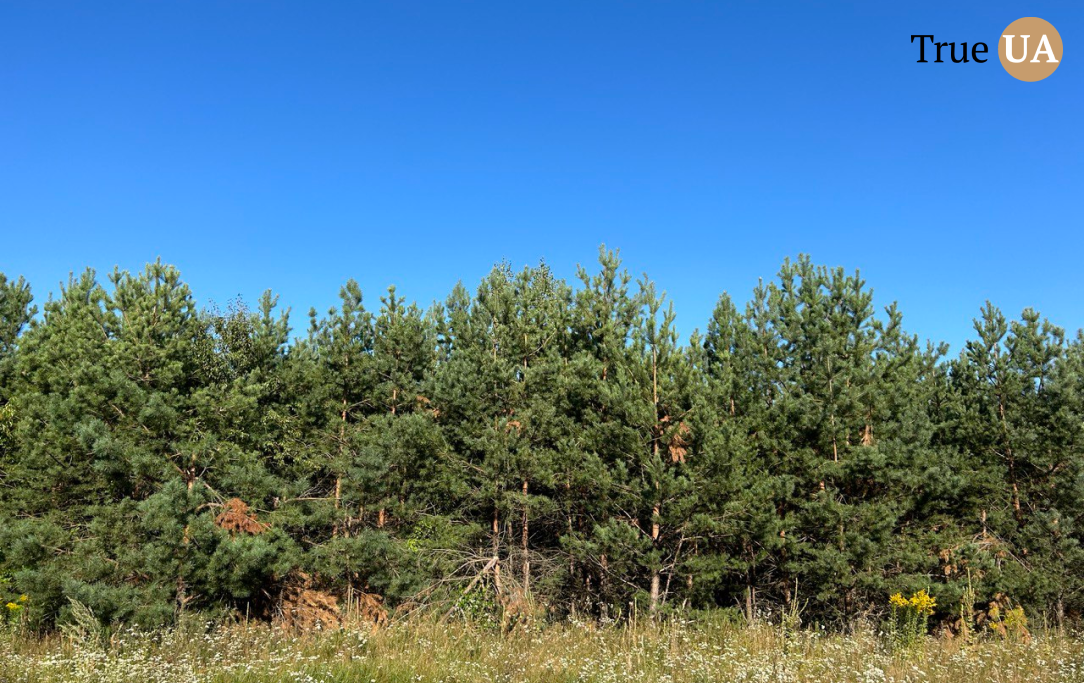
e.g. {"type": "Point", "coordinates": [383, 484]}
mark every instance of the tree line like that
{"type": "Point", "coordinates": [552, 440]}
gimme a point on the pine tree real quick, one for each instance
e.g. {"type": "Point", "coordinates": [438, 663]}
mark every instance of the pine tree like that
{"type": "Point", "coordinates": [15, 313]}
{"type": "Point", "coordinates": [840, 370]}
{"type": "Point", "coordinates": [1015, 422]}
{"type": "Point", "coordinates": [496, 394]}
{"type": "Point", "coordinates": [536, 440]}
{"type": "Point", "coordinates": [343, 345]}
{"type": "Point", "coordinates": [587, 483]}
{"type": "Point", "coordinates": [734, 517]}
{"type": "Point", "coordinates": [642, 414]}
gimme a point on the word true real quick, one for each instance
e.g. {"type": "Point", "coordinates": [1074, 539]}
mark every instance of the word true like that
{"type": "Point", "coordinates": [976, 50]}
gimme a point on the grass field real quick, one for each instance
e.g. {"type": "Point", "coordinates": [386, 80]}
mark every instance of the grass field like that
{"type": "Point", "coordinates": [430, 651]}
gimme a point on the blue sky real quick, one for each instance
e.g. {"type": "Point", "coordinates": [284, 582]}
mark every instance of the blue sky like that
{"type": "Point", "coordinates": [294, 145]}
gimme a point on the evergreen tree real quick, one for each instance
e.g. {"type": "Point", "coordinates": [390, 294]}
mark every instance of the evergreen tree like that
{"type": "Point", "coordinates": [734, 520]}
{"type": "Point", "coordinates": [538, 441]}
{"type": "Point", "coordinates": [1015, 422]}
{"type": "Point", "coordinates": [15, 314]}
{"type": "Point", "coordinates": [602, 551]}
{"type": "Point", "coordinates": [496, 399]}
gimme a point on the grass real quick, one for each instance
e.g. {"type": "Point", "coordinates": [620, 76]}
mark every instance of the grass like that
{"type": "Point", "coordinates": [428, 651]}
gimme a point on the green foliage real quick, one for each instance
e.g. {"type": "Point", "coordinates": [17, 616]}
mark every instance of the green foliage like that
{"type": "Point", "coordinates": [157, 459]}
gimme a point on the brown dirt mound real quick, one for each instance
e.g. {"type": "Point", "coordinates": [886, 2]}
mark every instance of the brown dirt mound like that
{"type": "Point", "coordinates": [304, 609]}
{"type": "Point", "coordinates": [369, 608]}
{"type": "Point", "coordinates": [309, 610]}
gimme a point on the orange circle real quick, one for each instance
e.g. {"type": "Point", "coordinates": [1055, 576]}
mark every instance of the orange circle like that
{"type": "Point", "coordinates": [1030, 49]}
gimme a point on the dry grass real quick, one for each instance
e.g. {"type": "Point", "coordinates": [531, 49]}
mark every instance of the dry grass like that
{"type": "Point", "coordinates": [430, 651]}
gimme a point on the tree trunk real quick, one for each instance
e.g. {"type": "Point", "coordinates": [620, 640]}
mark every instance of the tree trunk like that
{"type": "Point", "coordinates": [748, 599]}
{"type": "Point", "coordinates": [526, 556]}
{"type": "Point", "coordinates": [1015, 495]}
{"type": "Point", "coordinates": [496, 561]}
{"type": "Point", "coordinates": [342, 451]}
{"type": "Point", "coordinates": [655, 577]}
{"type": "Point", "coordinates": [656, 509]}
{"type": "Point", "coordinates": [655, 589]}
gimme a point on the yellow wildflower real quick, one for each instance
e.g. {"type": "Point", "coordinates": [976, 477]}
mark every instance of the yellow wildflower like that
{"type": "Point", "coordinates": [923, 603]}
{"type": "Point", "coordinates": [14, 607]}
{"type": "Point", "coordinates": [898, 600]}
{"type": "Point", "coordinates": [1016, 619]}
{"type": "Point", "coordinates": [24, 597]}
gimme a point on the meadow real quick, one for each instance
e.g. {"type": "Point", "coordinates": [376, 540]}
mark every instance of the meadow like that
{"type": "Point", "coordinates": [427, 650]}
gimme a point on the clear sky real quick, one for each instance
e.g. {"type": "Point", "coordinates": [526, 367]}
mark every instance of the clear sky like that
{"type": "Point", "coordinates": [294, 145]}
